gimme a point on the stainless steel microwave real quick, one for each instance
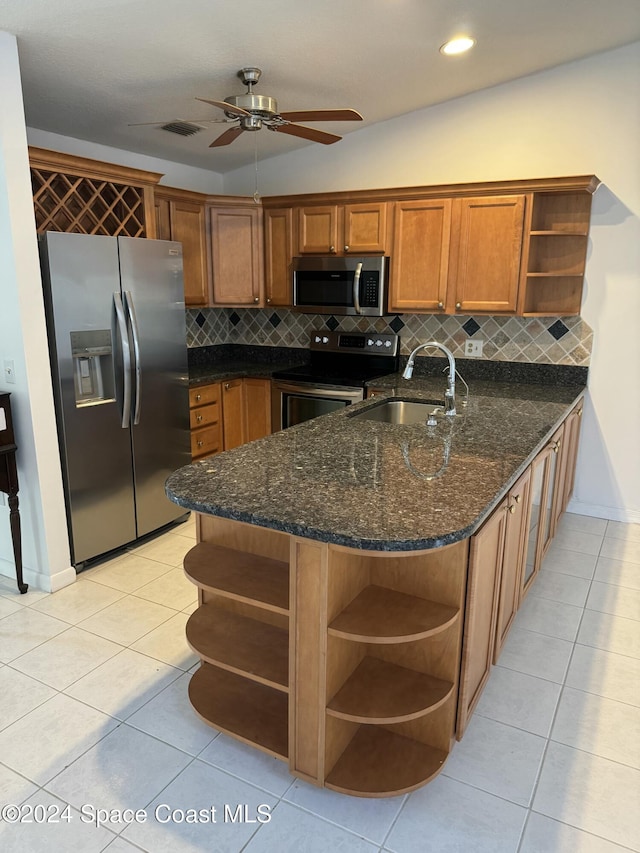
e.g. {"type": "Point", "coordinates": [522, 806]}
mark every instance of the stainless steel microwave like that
{"type": "Point", "coordinates": [333, 285]}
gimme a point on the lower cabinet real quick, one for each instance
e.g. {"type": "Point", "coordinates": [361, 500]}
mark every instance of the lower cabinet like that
{"type": "Point", "coordinates": [227, 414]}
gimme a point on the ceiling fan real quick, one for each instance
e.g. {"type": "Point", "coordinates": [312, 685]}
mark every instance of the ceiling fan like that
{"type": "Point", "coordinates": [250, 112]}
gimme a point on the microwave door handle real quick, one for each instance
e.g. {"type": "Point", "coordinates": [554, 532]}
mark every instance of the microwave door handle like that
{"type": "Point", "coordinates": [128, 299]}
{"type": "Point", "coordinates": [356, 289]}
{"type": "Point", "coordinates": [126, 359]}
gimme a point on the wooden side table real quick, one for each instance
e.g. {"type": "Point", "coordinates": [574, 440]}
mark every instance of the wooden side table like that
{"type": "Point", "coordinates": [9, 483]}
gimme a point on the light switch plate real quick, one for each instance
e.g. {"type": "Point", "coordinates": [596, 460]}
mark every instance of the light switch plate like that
{"type": "Point", "coordinates": [9, 371]}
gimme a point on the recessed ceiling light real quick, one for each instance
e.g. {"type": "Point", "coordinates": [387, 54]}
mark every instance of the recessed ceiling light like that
{"type": "Point", "coordinates": [457, 45]}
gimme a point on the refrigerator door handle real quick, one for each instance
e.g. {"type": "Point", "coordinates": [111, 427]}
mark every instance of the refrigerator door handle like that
{"type": "Point", "coordinates": [128, 300]}
{"type": "Point", "coordinates": [126, 358]}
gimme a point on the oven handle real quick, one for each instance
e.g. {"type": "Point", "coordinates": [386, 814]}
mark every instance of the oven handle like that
{"type": "Point", "coordinates": [354, 394]}
{"type": "Point", "coordinates": [356, 289]}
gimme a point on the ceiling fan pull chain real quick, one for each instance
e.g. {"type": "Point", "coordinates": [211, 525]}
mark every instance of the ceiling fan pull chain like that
{"type": "Point", "coordinates": [256, 194]}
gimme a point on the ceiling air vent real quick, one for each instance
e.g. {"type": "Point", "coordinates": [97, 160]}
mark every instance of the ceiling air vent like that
{"type": "Point", "coordinates": [182, 128]}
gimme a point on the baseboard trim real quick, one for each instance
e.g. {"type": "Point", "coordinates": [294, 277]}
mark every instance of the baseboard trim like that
{"type": "Point", "coordinates": [609, 512]}
{"type": "Point", "coordinates": [39, 580]}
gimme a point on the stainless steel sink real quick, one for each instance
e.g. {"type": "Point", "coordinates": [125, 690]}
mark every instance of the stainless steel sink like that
{"type": "Point", "coordinates": [399, 411]}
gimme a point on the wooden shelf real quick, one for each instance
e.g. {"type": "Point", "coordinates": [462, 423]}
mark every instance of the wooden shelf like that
{"type": "Point", "coordinates": [558, 233]}
{"type": "Point", "coordinates": [380, 763]}
{"type": "Point", "coordinates": [555, 275]}
{"type": "Point", "coordinates": [241, 645]}
{"type": "Point", "coordinates": [382, 615]}
{"type": "Point", "coordinates": [255, 580]}
{"type": "Point", "coordinates": [382, 692]}
{"type": "Point", "coordinates": [250, 712]}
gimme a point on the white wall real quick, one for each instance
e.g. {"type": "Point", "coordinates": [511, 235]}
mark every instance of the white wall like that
{"type": "Point", "coordinates": [577, 119]}
{"type": "Point", "coordinates": [174, 174]}
{"type": "Point", "coordinates": [23, 339]}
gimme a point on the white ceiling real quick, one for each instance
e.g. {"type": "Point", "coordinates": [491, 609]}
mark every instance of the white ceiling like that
{"type": "Point", "coordinates": [92, 67]}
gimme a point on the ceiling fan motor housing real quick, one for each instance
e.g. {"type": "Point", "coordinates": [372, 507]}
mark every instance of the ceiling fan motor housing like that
{"type": "Point", "coordinates": [259, 105]}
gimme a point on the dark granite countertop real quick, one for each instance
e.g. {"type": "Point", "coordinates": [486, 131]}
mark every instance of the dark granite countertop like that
{"type": "Point", "coordinates": [377, 486]}
{"type": "Point", "coordinates": [233, 361]}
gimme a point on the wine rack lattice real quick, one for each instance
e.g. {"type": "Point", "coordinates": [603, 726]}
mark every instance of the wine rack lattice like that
{"type": "Point", "coordinates": [83, 205]}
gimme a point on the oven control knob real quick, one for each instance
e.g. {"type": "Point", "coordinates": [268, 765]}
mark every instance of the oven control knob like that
{"type": "Point", "coordinates": [378, 343]}
{"type": "Point", "coordinates": [370, 342]}
{"type": "Point", "coordinates": [387, 343]}
{"type": "Point", "coordinates": [318, 339]}
{"type": "Point", "coordinates": [325, 340]}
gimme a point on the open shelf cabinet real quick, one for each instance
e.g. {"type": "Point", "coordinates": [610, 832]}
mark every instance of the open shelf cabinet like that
{"type": "Point", "coordinates": [555, 253]}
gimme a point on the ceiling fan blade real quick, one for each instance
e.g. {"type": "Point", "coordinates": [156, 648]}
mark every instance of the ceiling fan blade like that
{"type": "Point", "coordinates": [307, 133]}
{"type": "Point", "coordinates": [223, 105]}
{"type": "Point", "coordinates": [182, 120]}
{"type": "Point", "coordinates": [227, 137]}
{"type": "Point", "coordinates": [322, 115]}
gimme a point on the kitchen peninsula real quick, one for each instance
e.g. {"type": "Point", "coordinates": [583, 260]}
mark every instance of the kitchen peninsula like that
{"type": "Point", "coordinates": [357, 579]}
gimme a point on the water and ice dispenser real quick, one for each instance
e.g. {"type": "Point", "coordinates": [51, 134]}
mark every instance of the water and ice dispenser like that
{"type": "Point", "coordinates": [92, 354]}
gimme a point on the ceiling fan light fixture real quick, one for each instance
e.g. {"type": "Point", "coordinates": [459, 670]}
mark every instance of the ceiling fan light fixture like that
{"type": "Point", "coordinates": [460, 44]}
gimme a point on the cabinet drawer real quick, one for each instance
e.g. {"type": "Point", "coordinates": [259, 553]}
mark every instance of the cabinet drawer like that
{"type": "Point", "coordinates": [204, 415]}
{"type": "Point", "coordinates": [201, 395]}
{"type": "Point", "coordinates": [206, 441]}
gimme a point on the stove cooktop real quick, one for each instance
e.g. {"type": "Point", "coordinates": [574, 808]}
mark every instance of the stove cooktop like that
{"type": "Point", "coordinates": [346, 359]}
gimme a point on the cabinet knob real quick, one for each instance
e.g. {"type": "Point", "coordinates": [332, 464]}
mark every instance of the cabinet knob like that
{"type": "Point", "coordinates": [346, 248]}
{"type": "Point", "coordinates": [458, 306]}
{"type": "Point", "coordinates": [511, 509]}
{"type": "Point", "coordinates": [332, 249]}
{"type": "Point", "coordinates": [198, 397]}
{"type": "Point", "coordinates": [579, 413]}
{"type": "Point", "coordinates": [268, 300]}
{"type": "Point", "coordinates": [256, 299]}
{"type": "Point", "coordinates": [226, 386]}
{"type": "Point", "coordinates": [200, 442]}
{"type": "Point", "coordinates": [198, 418]}
{"type": "Point", "coordinates": [556, 446]}
{"type": "Point", "coordinates": [440, 304]}
{"type": "Point", "coordinates": [517, 498]}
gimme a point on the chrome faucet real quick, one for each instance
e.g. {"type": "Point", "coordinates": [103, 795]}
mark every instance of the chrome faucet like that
{"type": "Point", "coordinates": [450, 393]}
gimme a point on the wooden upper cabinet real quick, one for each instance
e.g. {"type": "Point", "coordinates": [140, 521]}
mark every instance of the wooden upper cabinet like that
{"type": "Point", "coordinates": [278, 252]}
{"type": "Point", "coordinates": [486, 261]}
{"type": "Point", "coordinates": [365, 228]}
{"type": "Point", "coordinates": [318, 230]}
{"type": "Point", "coordinates": [343, 229]}
{"type": "Point", "coordinates": [420, 255]}
{"type": "Point", "coordinates": [188, 228]}
{"type": "Point", "coordinates": [236, 255]}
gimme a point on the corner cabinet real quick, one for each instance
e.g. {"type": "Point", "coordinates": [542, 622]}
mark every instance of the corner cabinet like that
{"type": "Point", "coordinates": [235, 239]}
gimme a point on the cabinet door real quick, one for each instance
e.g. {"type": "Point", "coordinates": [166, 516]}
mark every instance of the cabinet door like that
{"type": "Point", "coordinates": [365, 228]}
{"type": "Point", "coordinates": [257, 397]}
{"type": "Point", "coordinates": [188, 227]}
{"type": "Point", "coordinates": [487, 270]}
{"type": "Point", "coordinates": [539, 500]}
{"type": "Point", "coordinates": [233, 413]}
{"type": "Point", "coordinates": [163, 219]}
{"type": "Point", "coordinates": [236, 255]}
{"type": "Point", "coordinates": [571, 441]}
{"type": "Point", "coordinates": [278, 237]}
{"type": "Point", "coordinates": [513, 560]}
{"type": "Point", "coordinates": [419, 258]}
{"type": "Point", "coordinates": [553, 492]}
{"type": "Point", "coordinates": [485, 561]}
{"type": "Point", "coordinates": [318, 230]}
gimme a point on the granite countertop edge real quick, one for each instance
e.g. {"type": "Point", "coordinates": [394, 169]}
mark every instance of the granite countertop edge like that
{"type": "Point", "coordinates": [209, 499]}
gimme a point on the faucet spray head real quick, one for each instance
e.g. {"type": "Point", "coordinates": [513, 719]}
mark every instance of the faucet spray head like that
{"type": "Point", "coordinates": [407, 373]}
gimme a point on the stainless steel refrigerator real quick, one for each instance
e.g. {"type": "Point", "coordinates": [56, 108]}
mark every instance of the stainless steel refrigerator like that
{"type": "Point", "coordinates": [116, 326]}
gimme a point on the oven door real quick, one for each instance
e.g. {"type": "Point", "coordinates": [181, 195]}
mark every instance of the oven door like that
{"type": "Point", "coordinates": [295, 402]}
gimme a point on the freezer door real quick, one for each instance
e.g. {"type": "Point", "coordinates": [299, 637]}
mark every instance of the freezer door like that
{"type": "Point", "coordinates": [80, 277]}
{"type": "Point", "coordinates": [153, 293]}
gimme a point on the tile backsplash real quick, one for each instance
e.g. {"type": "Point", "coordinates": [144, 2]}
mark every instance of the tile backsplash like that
{"type": "Point", "coordinates": [536, 340]}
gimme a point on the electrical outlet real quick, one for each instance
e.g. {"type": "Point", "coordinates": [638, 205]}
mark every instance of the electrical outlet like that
{"type": "Point", "coordinates": [9, 372]}
{"type": "Point", "coordinates": [473, 349]}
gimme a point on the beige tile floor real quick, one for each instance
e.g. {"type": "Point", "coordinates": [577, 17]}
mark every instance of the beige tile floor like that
{"type": "Point", "coordinates": [94, 716]}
